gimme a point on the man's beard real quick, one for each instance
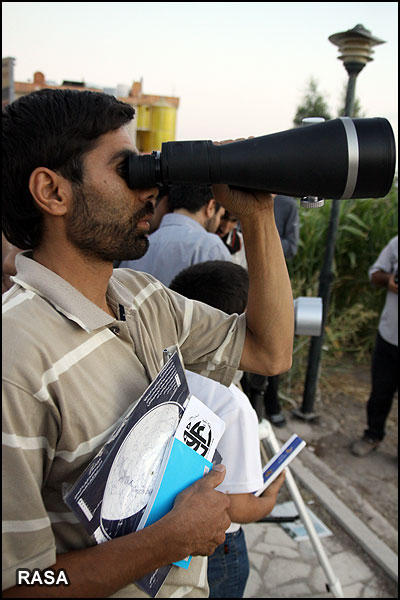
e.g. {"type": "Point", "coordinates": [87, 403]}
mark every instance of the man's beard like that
{"type": "Point", "coordinates": [95, 228]}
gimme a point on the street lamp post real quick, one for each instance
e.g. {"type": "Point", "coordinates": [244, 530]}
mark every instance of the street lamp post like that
{"type": "Point", "coordinates": [355, 46]}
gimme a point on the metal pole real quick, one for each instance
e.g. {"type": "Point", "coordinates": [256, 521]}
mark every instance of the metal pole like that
{"type": "Point", "coordinates": [324, 291]}
{"type": "Point", "coordinates": [353, 69]}
{"type": "Point", "coordinates": [326, 275]}
{"type": "Point", "coordinates": [333, 584]}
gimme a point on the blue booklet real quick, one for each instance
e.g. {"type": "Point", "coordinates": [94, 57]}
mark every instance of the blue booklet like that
{"type": "Point", "coordinates": [188, 458]}
{"type": "Point", "coordinates": [280, 460]}
{"type": "Point", "coordinates": [184, 467]}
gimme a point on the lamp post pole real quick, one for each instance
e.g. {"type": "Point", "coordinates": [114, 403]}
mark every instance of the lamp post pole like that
{"type": "Point", "coordinates": [355, 46]}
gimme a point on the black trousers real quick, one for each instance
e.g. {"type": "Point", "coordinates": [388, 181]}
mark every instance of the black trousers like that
{"type": "Point", "coordinates": [385, 382]}
{"type": "Point", "coordinates": [262, 392]}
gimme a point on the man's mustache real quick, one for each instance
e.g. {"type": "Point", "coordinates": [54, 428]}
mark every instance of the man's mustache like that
{"type": "Point", "coordinates": [147, 209]}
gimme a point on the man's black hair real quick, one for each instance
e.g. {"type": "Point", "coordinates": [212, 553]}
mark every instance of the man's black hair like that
{"type": "Point", "coordinates": [190, 197]}
{"type": "Point", "coordinates": [53, 129]}
{"type": "Point", "coordinates": [219, 283]}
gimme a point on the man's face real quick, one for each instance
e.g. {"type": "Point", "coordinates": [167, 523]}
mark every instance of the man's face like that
{"type": "Point", "coordinates": [226, 225]}
{"type": "Point", "coordinates": [109, 220]}
{"type": "Point", "coordinates": [214, 221]}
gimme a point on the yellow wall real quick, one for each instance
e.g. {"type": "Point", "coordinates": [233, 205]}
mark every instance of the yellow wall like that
{"type": "Point", "coordinates": [143, 120]}
{"type": "Point", "coordinates": [155, 125]}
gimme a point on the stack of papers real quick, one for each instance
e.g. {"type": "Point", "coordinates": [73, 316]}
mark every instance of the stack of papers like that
{"type": "Point", "coordinates": [166, 442]}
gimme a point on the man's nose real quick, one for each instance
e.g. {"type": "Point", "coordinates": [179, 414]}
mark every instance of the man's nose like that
{"type": "Point", "coordinates": [149, 195]}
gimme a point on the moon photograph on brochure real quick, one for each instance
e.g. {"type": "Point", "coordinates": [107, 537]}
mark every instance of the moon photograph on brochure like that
{"type": "Point", "coordinates": [135, 469]}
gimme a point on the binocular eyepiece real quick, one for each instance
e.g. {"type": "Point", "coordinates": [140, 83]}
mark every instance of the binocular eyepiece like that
{"type": "Point", "coordinates": [341, 158]}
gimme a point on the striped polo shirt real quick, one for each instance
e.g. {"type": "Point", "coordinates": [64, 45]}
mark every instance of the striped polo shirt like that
{"type": "Point", "coordinates": [70, 374]}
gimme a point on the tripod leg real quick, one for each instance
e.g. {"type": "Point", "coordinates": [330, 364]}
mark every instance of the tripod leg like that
{"type": "Point", "coordinates": [333, 584]}
{"type": "Point", "coordinates": [264, 456]}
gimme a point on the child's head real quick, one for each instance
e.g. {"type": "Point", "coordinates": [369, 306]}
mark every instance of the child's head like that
{"type": "Point", "coordinates": [219, 283]}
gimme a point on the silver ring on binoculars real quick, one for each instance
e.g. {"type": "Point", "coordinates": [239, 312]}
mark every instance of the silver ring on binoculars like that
{"type": "Point", "coordinates": [352, 145]}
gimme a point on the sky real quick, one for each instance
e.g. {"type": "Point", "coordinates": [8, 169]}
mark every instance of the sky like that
{"type": "Point", "coordinates": [240, 68]}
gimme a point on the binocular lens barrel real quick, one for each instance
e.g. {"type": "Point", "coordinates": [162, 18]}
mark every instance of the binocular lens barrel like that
{"type": "Point", "coordinates": [341, 158]}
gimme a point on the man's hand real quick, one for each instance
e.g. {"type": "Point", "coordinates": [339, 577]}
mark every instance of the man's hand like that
{"type": "Point", "coordinates": [271, 493]}
{"type": "Point", "coordinates": [385, 280]}
{"type": "Point", "coordinates": [201, 514]}
{"type": "Point", "coordinates": [243, 203]}
{"type": "Point", "coordinates": [392, 285]}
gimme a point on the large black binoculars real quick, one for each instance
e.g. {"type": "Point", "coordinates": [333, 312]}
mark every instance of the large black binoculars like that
{"type": "Point", "coordinates": [341, 158]}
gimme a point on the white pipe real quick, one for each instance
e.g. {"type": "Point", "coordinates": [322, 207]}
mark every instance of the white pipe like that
{"type": "Point", "coordinates": [333, 584]}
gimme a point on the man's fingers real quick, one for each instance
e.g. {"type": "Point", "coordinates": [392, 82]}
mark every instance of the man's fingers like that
{"type": "Point", "coordinates": [277, 484]}
{"type": "Point", "coordinates": [216, 475]}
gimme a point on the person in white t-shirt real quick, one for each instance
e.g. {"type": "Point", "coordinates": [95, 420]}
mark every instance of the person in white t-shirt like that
{"type": "Point", "coordinates": [224, 285]}
{"type": "Point", "coordinates": [385, 358]}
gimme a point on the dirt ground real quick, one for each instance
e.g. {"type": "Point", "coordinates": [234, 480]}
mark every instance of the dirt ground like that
{"type": "Point", "coordinates": [341, 416]}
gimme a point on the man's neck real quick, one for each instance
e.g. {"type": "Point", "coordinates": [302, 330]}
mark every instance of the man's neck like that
{"type": "Point", "coordinates": [198, 216]}
{"type": "Point", "coordinates": [89, 276]}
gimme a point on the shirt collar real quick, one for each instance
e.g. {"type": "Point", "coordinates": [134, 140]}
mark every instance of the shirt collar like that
{"type": "Point", "coordinates": [178, 219]}
{"type": "Point", "coordinates": [65, 298]}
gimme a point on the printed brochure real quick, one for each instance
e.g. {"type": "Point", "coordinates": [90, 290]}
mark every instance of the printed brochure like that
{"type": "Point", "coordinates": [275, 466]}
{"type": "Point", "coordinates": [168, 436]}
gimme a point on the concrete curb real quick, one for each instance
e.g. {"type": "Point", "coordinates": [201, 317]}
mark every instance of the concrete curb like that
{"type": "Point", "coordinates": [368, 540]}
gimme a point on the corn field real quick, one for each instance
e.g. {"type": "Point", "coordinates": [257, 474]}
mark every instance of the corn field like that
{"type": "Point", "coordinates": [365, 227]}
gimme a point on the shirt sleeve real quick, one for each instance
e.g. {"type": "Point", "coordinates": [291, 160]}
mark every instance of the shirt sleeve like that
{"type": "Point", "coordinates": [28, 540]}
{"type": "Point", "coordinates": [387, 259]}
{"type": "Point", "coordinates": [211, 342]}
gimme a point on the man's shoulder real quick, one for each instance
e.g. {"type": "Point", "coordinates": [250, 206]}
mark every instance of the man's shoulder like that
{"type": "Point", "coordinates": [285, 204]}
{"type": "Point", "coordinates": [190, 237]}
{"type": "Point", "coordinates": [393, 245]}
{"type": "Point", "coordinates": [20, 305]}
{"type": "Point", "coordinates": [286, 199]}
{"type": "Point", "coordinates": [387, 256]}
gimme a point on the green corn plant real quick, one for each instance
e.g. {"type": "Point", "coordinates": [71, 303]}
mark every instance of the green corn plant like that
{"type": "Point", "coordinates": [365, 227]}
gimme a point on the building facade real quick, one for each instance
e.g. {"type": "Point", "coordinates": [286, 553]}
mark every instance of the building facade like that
{"type": "Point", "coordinates": [155, 118]}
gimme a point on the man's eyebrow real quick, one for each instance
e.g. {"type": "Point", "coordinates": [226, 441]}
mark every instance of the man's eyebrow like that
{"type": "Point", "coordinates": [121, 154]}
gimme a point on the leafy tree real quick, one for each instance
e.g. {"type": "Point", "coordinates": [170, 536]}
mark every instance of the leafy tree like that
{"type": "Point", "coordinates": [312, 105]}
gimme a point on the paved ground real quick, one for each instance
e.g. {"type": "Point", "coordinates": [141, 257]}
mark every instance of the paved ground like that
{"type": "Point", "coordinates": [340, 407]}
{"type": "Point", "coordinates": [283, 568]}
{"type": "Point", "coordinates": [356, 498]}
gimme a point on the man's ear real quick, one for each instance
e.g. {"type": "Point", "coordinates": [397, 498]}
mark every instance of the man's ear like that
{"type": "Point", "coordinates": [50, 191]}
{"type": "Point", "coordinates": [210, 208]}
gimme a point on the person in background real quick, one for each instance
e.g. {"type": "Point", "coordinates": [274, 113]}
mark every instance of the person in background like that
{"type": "Point", "coordinates": [286, 211]}
{"type": "Point", "coordinates": [224, 285]}
{"type": "Point", "coordinates": [263, 391]}
{"type": "Point", "coordinates": [161, 208]}
{"type": "Point", "coordinates": [385, 365]}
{"type": "Point", "coordinates": [230, 234]}
{"type": "Point", "coordinates": [89, 340]}
{"type": "Point", "coordinates": [185, 236]}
